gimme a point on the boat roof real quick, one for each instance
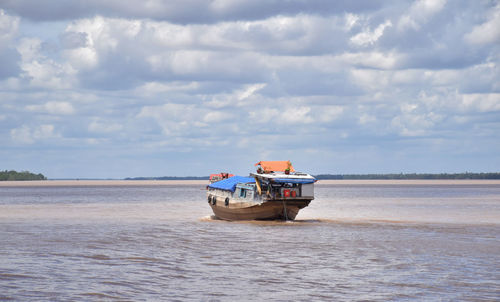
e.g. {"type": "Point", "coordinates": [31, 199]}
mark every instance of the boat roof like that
{"type": "Point", "coordinates": [270, 166]}
{"type": "Point", "coordinates": [283, 177]}
{"type": "Point", "coordinates": [229, 184]}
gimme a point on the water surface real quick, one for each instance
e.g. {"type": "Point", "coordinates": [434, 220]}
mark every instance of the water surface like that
{"type": "Point", "coordinates": [353, 243]}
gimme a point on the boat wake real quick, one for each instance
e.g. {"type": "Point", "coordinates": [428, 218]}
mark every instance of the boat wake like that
{"type": "Point", "coordinates": [210, 218]}
{"type": "Point", "coordinates": [306, 221]}
{"type": "Point", "coordinates": [213, 218]}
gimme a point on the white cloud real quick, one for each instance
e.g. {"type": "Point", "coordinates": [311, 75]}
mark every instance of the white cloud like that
{"type": "Point", "coordinates": [228, 50]}
{"type": "Point", "coordinates": [9, 26]}
{"type": "Point", "coordinates": [291, 114]}
{"type": "Point", "coordinates": [488, 32]}
{"type": "Point", "coordinates": [167, 78]}
{"type": "Point", "coordinates": [371, 80]}
{"type": "Point", "coordinates": [177, 119]}
{"type": "Point", "coordinates": [237, 97]}
{"type": "Point", "coordinates": [100, 126]}
{"type": "Point", "coordinates": [366, 118]}
{"type": "Point", "coordinates": [40, 70]}
{"type": "Point", "coordinates": [29, 135]}
{"type": "Point", "coordinates": [296, 115]}
{"type": "Point", "coordinates": [62, 108]}
{"type": "Point", "coordinates": [172, 35]}
{"type": "Point", "coordinates": [419, 13]}
{"type": "Point", "coordinates": [411, 123]}
{"type": "Point", "coordinates": [372, 59]}
{"type": "Point", "coordinates": [100, 32]}
{"type": "Point", "coordinates": [9, 57]}
{"type": "Point", "coordinates": [22, 135]}
{"type": "Point", "coordinates": [369, 37]}
{"type": "Point", "coordinates": [249, 91]}
{"type": "Point", "coordinates": [328, 113]}
{"type": "Point", "coordinates": [155, 88]}
{"type": "Point", "coordinates": [29, 48]}
{"type": "Point", "coordinates": [263, 115]}
{"type": "Point", "coordinates": [482, 102]}
{"type": "Point", "coordinates": [83, 58]}
{"type": "Point", "coordinates": [216, 117]}
{"type": "Point", "coordinates": [350, 21]}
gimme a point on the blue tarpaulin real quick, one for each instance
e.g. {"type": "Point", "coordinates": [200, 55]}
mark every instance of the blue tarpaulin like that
{"type": "Point", "coordinates": [294, 180]}
{"type": "Point", "coordinates": [230, 183]}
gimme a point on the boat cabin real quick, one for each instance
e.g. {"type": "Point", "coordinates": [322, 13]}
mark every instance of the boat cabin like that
{"type": "Point", "coordinates": [283, 186]}
{"type": "Point", "coordinates": [244, 191]}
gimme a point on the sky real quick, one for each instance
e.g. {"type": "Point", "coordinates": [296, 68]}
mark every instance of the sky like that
{"type": "Point", "coordinates": [114, 89]}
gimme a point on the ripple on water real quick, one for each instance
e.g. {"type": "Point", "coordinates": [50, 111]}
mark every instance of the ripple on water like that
{"type": "Point", "coordinates": [167, 247]}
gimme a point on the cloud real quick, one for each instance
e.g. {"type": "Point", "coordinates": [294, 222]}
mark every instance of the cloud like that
{"type": "Point", "coordinates": [9, 61]}
{"type": "Point", "coordinates": [8, 28]}
{"type": "Point", "coordinates": [41, 70]}
{"type": "Point", "coordinates": [488, 102]}
{"type": "Point", "coordinates": [373, 59]}
{"type": "Point", "coordinates": [103, 53]}
{"type": "Point", "coordinates": [61, 108]}
{"type": "Point", "coordinates": [71, 39]}
{"type": "Point", "coordinates": [369, 37]}
{"type": "Point", "coordinates": [9, 57]}
{"type": "Point", "coordinates": [161, 84]}
{"type": "Point", "coordinates": [178, 120]}
{"type": "Point", "coordinates": [414, 121]}
{"type": "Point", "coordinates": [328, 113]}
{"type": "Point", "coordinates": [29, 135]}
{"type": "Point", "coordinates": [99, 126]}
{"type": "Point", "coordinates": [245, 95]}
{"type": "Point", "coordinates": [419, 13]}
{"type": "Point", "coordinates": [181, 12]}
{"type": "Point", "coordinates": [487, 32]}
{"type": "Point", "coordinates": [296, 115]}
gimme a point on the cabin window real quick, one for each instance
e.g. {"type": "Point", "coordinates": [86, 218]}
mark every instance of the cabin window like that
{"type": "Point", "coordinates": [243, 193]}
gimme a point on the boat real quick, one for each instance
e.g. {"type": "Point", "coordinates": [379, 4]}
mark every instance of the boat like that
{"type": "Point", "coordinates": [216, 177]}
{"type": "Point", "coordinates": [274, 192]}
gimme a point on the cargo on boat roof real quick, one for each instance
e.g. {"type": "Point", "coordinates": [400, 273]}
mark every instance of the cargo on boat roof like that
{"type": "Point", "coordinates": [275, 166]}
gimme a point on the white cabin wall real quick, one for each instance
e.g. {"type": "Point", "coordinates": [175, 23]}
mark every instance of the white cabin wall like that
{"type": "Point", "coordinates": [308, 190]}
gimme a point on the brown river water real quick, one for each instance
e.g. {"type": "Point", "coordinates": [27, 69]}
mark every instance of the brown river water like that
{"type": "Point", "coordinates": [355, 242]}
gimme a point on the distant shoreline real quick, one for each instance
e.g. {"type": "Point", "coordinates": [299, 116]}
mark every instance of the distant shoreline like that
{"type": "Point", "coordinates": [7, 177]}
{"type": "Point", "coordinates": [63, 183]}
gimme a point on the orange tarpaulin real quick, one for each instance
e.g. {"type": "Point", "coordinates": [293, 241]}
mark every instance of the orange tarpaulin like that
{"type": "Point", "coordinates": [269, 166]}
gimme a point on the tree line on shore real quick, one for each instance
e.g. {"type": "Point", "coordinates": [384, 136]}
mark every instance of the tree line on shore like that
{"type": "Point", "coordinates": [26, 175]}
{"type": "Point", "coordinates": [23, 175]}
{"type": "Point", "coordinates": [465, 175]}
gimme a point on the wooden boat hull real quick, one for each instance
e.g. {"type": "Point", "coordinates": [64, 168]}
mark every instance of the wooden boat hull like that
{"type": "Point", "coordinates": [268, 210]}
